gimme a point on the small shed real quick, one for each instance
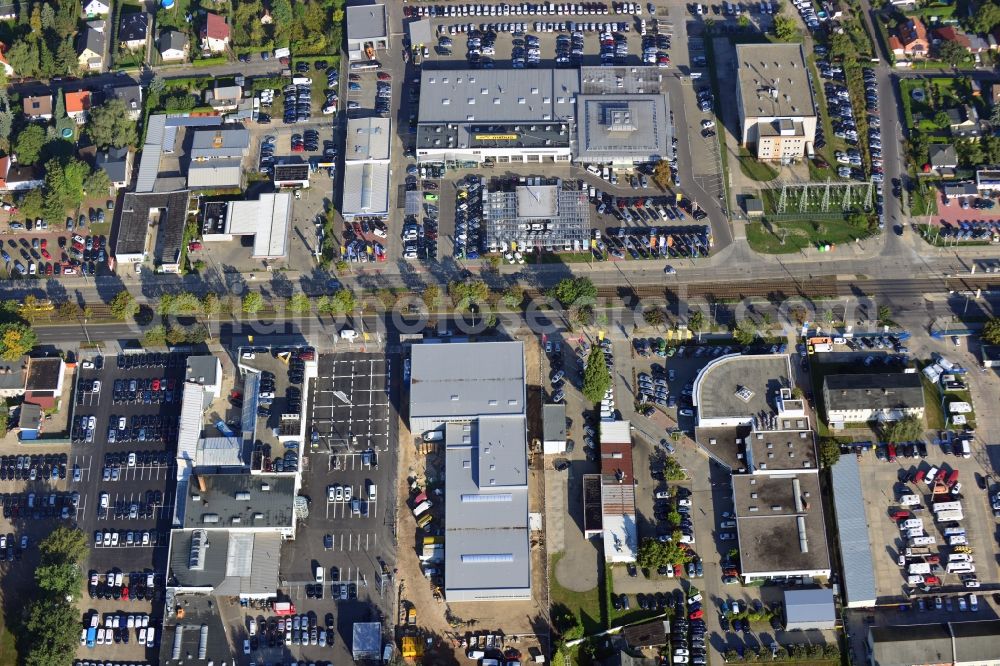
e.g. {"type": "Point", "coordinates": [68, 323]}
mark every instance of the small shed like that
{"type": "Point", "coordinates": [646, 634]}
{"type": "Point", "coordinates": [810, 609]}
{"type": "Point", "coordinates": [554, 428]}
{"type": "Point", "coordinates": [366, 640]}
{"type": "Point", "coordinates": [753, 206]}
{"type": "Point", "coordinates": [30, 422]}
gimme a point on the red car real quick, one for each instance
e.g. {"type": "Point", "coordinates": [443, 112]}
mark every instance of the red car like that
{"type": "Point", "coordinates": [696, 615]}
{"type": "Point", "coordinates": [124, 591]}
{"type": "Point", "coordinates": [892, 452]}
{"type": "Point", "coordinates": [194, 245]}
{"type": "Point", "coordinates": [298, 147]}
{"type": "Point", "coordinates": [678, 571]}
{"type": "Point", "coordinates": [932, 580]}
{"type": "Point", "coordinates": [900, 514]}
{"type": "Point", "coordinates": [48, 269]}
{"type": "Point", "coordinates": [45, 253]}
{"type": "Point", "coordinates": [156, 384]}
{"type": "Point", "coordinates": [384, 76]}
{"type": "Point", "coordinates": [44, 243]}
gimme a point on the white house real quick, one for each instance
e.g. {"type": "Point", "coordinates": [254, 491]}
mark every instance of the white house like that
{"type": "Point", "coordinates": [95, 8]}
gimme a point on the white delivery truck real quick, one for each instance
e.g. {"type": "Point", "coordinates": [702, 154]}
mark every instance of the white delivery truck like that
{"type": "Point", "coordinates": [914, 580]}
{"type": "Point", "coordinates": [958, 540]}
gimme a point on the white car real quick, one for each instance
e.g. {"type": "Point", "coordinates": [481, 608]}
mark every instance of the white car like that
{"type": "Point", "coordinates": [131, 459]}
{"type": "Point", "coordinates": [105, 500]}
{"type": "Point", "coordinates": [348, 493]}
{"type": "Point", "coordinates": [339, 493]}
{"type": "Point", "coordinates": [331, 493]}
{"type": "Point", "coordinates": [684, 501]}
{"type": "Point", "coordinates": [686, 412]}
{"type": "Point", "coordinates": [97, 386]}
{"type": "Point", "coordinates": [121, 422]}
{"type": "Point", "coordinates": [92, 422]}
{"type": "Point", "coordinates": [707, 124]}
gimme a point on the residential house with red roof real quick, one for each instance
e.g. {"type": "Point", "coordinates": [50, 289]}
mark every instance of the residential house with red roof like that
{"type": "Point", "coordinates": [215, 34]}
{"type": "Point", "coordinates": [78, 106]}
{"type": "Point", "coordinates": [910, 40]}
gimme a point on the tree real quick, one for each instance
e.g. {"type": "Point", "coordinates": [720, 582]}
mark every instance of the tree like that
{"type": "Point", "coordinates": [110, 125]}
{"type": "Point", "coordinates": [342, 302]}
{"type": "Point", "coordinates": [54, 627]}
{"type": "Point", "coordinates": [513, 296]}
{"type": "Point", "coordinates": [654, 553]}
{"type": "Point", "coordinates": [745, 331]}
{"type": "Point", "coordinates": [124, 305]}
{"type": "Point", "coordinates": [985, 18]}
{"type": "Point", "coordinates": [571, 290]}
{"type": "Point", "coordinates": [829, 451]}
{"type": "Point", "coordinates": [995, 115]}
{"type": "Point", "coordinates": [696, 321]}
{"type": "Point", "coordinates": [885, 316]}
{"type": "Point", "coordinates": [68, 310]}
{"type": "Point", "coordinates": [785, 28]}
{"type": "Point", "coordinates": [47, 16]}
{"type": "Point", "coordinates": [28, 144]}
{"type": "Point", "coordinates": [64, 185]}
{"type": "Point", "coordinates": [661, 174]}
{"type": "Point", "coordinates": [97, 183]}
{"type": "Point", "coordinates": [952, 53]}
{"type": "Point", "coordinates": [991, 331]}
{"type": "Point", "coordinates": [23, 57]}
{"type": "Point", "coordinates": [252, 302]}
{"type": "Point", "coordinates": [66, 59]}
{"type": "Point", "coordinates": [467, 293]}
{"type": "Point", "coordinates": [210, 304]}
{"type": "Point", "coordinates": [991, 147]}
{"type": "Point", "coordinates": [653, 316]}
{"type": "Point", "coordinates": [155, 336]}
{"type": "Point", "coordinates": [298, 303]}
{"type": "Point", "coordinates": [431, 295]}
{"type": "Point", "coordinates": [31, 203]}
{"type": "Point", "coordinates": [596, 378]}
{"type": "Point", "coordinates": [841, 46]}
{"type": "Point", "coordinates": [16, 340]}
{"type": "Point", "coordinates": [942, 120]}
{"type": "Point", "coordinates": [970, 152]}
{"type": "Point", "coordinates": [906, 429]}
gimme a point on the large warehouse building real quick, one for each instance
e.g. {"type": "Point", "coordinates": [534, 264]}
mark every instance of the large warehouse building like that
{"type": "Point", "coordinates": [475, 393]}
{"type": "Point", "coordinates": [776, 106]}
{"type": "Point", "coordinates": [366, 167]}
{"type": "Point", "coordinates": [748, 421]}
{"type": "Point", "coordinates": [597, 115]}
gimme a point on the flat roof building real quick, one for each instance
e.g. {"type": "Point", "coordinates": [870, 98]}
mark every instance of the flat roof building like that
{"type": "Point", "coordinates": [810, 609]}
{"type": "Point", "coordinates": [732, 389]}
{"type": "Point", "coordinates": [476, 393]}
{"type": "Point", "coordinates": [367, 32]}
{"type": "Point", "coordinates": [161, 215]}
{"type": "Point", "coordinates": [267, 219]}
{"type": "Point", "coordinates": [554, 428]}
{"type": "Point", "coordinates": [618, 516]}
{"type": "Point", "coordinates": [368, 139]}
{"type": "Point", "coordinates": [776, 107]}
{"type": "Point", "coordinates": [622, 130]}
{"type": "Point", "coordinates": [857, 562]}
{"type": "Point", "coordinates": [872, 397]}
{"type": "Point", "coordinates": [779, 522]}
{"type": "Point", "coordinates": [951, 643]}
{"type": "Point", "coordinates": [505, 115]}
{"type": "Point", "coordinates": [241, 502]}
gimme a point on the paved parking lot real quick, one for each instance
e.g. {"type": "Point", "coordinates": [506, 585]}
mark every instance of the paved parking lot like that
{"type": "Point", "coordinates": [355, 422]}
{"type": "Point", "coordinates": [136, 486]}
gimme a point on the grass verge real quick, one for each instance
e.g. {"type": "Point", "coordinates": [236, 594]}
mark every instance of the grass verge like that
{"type": "Point", "coordinates": [755, 169]}
{"type": "Point", "coordinates": [800, 234]}
{"type": "Point", "coordinates": [586, 605]}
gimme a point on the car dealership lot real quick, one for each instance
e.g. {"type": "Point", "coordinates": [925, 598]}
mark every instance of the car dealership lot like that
{"type": "Point", "coordinates": [349, 410]}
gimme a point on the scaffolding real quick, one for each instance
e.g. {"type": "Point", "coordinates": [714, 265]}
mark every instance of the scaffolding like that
{"type": "Point", "coordinates": [825, 197]}
{"type": "Point", "coordinates": [568, 230]}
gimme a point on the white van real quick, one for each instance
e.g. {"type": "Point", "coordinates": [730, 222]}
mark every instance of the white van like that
{"type": "Point", "coordinates": [371, 491]}
{"type": "Point", "coordinates": [911, 523]}
{"type": "Point", "coordinates": [348, 334]}
{"type": "Point", "coordinates": [319, 574]}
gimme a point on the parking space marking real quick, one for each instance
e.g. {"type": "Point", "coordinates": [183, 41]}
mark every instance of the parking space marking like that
{"type": "Point", "coordinates": [355, 541]}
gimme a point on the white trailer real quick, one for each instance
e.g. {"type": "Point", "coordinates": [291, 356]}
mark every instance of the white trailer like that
{"type": "Point", "coordinates": [946, 516]}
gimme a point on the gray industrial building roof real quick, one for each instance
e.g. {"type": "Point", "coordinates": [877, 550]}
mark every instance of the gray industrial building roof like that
{"type": "Point", "coordinates": [538, 214]}
{"type": "Point", "coordinates": [202, 369]}
{"type": "Point", "coordinates": [774, 81]}
{"type": "Point", "coordinates": [906, 645]}
{"type": "Point", "coordinates": [367, 139]}
{"type": "Point", "coordinates": [149, 164]}
{"type": "Point", "coordinates": [976, 642]}
{"type": "Point", "coordinates": [625, 127]}
{"type": "Point", "coordinates": [231, 497]}
{"type": "Point", "coordinates": [771, 542]}
{"type": "Point", "coordinates": [366, 189]}
{"type": "Point", "coordinates": [219, 143]}
{"type": "Point", "coordinates": [717, 384]}
{"type": "Point", "coordinates": [366, 22]}
{"type": "Point", "coordinates": [852, 533]}
{"type": "Point", "coordinates": [810, 609]}
{"type": "Point", "coordinates": [467, 379]}
{"type": "Point", "coordinates": [139, 211]}
{"type": "Point", "coordinates": [366, 640]}
{"type": "Point", "coordinates": [554, 422]}
{"type": "Point", "coordinates": [873, 391]}
{"type": "Point", "coordinates": [215, 173]}
{"type": "Point", "coordinates": [14, 374]}
{"type": "Point", "coordinates": [201, 628]}
{"type": "Point", "coordinates": [773, 450]}
{"type": "Point", "coordinates": [267, 219]}
{"type": "Point", "coordinates": [497, 95]}
{"type": "Point", "coordinates": [230, 563]}
{"type": "Point", "coordinates": [420, 32]}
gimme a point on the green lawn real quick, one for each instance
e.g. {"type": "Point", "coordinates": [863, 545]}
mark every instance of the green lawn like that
{"type": "Point", "coordinates": [586, 605]}
{"type": "Point", "coordinates": [8, 645]}
{"type": "Point", "coordinates": [755, 169]}
{"type": "Point", "coordinates": [800, 234]}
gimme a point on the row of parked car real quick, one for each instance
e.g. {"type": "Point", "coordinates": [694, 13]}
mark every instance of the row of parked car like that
{"type": "Point", "coordinates": [687, 637]}
{"type": "Point", "coordinates": [124, 538]}
{"type": "Point", "coordinates": [298, 103]}
{"type": "Point", "coordinates": [37, 506]}
{"type": "Point", "coordinates": [33, 467]}
{"type": "Point", "coordinates": [144, 428]}
{"type": "Point", "coordinates": [972, 230]}
{"type": "Point", "coordinates": [141, 585]}
{"type": "Point", "coordinates": [274, 632]}
{"type": "Point", "coordinates": [468, 218]}
{"type": "Point", "coordinates": [508, 9]}
{"type": "Point", "coordinates": [10, 549]}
